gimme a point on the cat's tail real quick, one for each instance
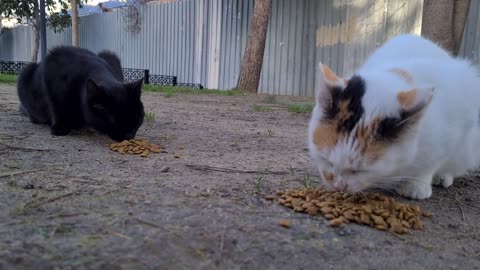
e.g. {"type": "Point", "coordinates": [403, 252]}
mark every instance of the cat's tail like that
{"type": "Point", "coordinates": [114, 62]}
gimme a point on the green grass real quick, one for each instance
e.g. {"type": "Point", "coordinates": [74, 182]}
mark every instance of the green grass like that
{"type": "Point", "coordinates": [171, 90]}
{"type": "Point", "coordinates": [270, 99]}
{"type": "Point", "coordinates": [8, 78]}
{"type": "Point", "coordinates": [300, 107]}
{"type": "Point", "coordinates": [260, 108]}
{"type": "Point", "coordinates": [270, 132]}
{"type": "Point", "coordinates": [308, 181]}
{"type": "Point", "coordinates": [149, 116]}
{"type": "Point", "coordinates": [258, 184]}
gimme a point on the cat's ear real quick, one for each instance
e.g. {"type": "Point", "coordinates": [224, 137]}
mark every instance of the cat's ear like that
{"type": "Point", "coordinates": [415, 100]}
{"type": "Point", "coordinates": [412, 105]}
{"type": "Point", "coordinates": [328, 82]}
{"type": "Point", "coordinates": [135, 88]}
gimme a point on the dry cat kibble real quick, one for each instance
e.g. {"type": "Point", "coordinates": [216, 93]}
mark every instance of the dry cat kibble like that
{"type": "Point", "coordinates": [135, 147]}
{"type": "Point", "coordinates": [371, 209]}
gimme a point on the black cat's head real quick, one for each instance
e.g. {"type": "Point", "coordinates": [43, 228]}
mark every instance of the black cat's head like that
{"type": "Point", "coordinates": [114, 108]}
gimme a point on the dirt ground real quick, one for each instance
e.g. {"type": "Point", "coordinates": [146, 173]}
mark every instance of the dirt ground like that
{"type": "Point", "coordinates": [71, 203]}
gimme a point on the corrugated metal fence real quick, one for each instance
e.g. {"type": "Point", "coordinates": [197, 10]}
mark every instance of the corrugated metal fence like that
{"type": "Point", "coordinates": [202, 41]}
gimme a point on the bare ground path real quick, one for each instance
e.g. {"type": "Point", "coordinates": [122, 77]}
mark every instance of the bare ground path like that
{"type": "Point", "coordinates": [71, 203]}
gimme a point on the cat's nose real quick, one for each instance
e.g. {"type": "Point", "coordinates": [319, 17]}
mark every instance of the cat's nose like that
{"type": "Point", "coordinates": [340, 186]}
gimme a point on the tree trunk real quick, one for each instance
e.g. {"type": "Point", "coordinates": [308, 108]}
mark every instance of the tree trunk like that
{"type": "Point", "coordinates": [251, 67]}
{"type": "Point", "coordinates": [36, 31]}
{"type": "Point", "coordinates": [444, 22]}
{"type": "Point", "coordinates": [460, 14]}
{"type": "Point", "coordinates": [36, 43]}
{"type": "Point", "coordinates": [74, 4]}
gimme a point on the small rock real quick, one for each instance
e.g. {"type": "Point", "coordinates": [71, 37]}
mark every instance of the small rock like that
{"type": "Point", "coordinates": [343, 231]}
{"type": "Point", "coordinates": [28, 186]}
{"type": "Point", "coordinates": [164, 169]}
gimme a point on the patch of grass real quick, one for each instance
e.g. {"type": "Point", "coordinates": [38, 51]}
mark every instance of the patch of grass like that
{"type": "Point", "coordinates": [308, 181]}
{"type": "Point", "coordinates": [300, 107]}
{"type": "Point", "coordinates": [8, 78]}
{"type": "Point", "coordinates": [149, 116]}
{"type": "Point", "coordinates": [270, 99]}
{"type": "Point", "coordinates": [168, 95]}
{"type": "Point", "coordinates": [270, 132]}
{"type": "Point", "coordinates": [291, 170]}
{"type": "Point", "coordinates": [259, 108]}
{"type": "Point", "coordinates": [258, 184]}
{"type": "Point", "coordinates": [170, 90]}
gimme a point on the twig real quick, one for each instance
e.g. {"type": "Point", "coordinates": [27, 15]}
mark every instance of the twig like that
{"type": "Point", "coordinates": [120, 235]}
{"type": "Point", "coordinates": [229, 170]}
{"type": "Point", "coordinates": [156, 226]}
{"type": "Point", "coordinates": [459, 204]}
{"type": "Point", "coordinates": [17, 173]}
{"type": "Point", "coordinates": [35, 205]}
{"type": "Point", "coordinates": [23, 148]}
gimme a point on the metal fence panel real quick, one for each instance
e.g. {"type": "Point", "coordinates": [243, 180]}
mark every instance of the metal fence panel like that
{"type": "Point", "coordinates": [203, 41]}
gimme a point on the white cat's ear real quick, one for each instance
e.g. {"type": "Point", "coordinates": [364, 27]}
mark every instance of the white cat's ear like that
{"type": "Point", "coordinates": [328, 81]}
{"type": "Point", "coordinates": [416, 99]}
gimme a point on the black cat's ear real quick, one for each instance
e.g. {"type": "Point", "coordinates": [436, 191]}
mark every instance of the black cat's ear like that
{"type": "Point", "coordinates": [135, 88]}
{"type": "Point", "coordinates": [328, 86]}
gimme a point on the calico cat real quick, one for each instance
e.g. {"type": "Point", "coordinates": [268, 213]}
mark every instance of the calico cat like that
{"type": "Point", "coordinates": [75, 88]}
{"type": "Point", "coordinates": [407, 119]}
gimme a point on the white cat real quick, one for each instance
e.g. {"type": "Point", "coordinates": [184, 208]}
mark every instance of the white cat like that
{"type": "Point", "coordinates": [409, 117]}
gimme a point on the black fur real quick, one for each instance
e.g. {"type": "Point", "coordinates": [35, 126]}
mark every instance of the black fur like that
{"type": "Point", "coordinates": [353, 92]}
{"type": "Point", "coordinates": [392, 128]}
{"type": "Point", "coordinates": [114, 62]}
{"type": "Point", "coordinates": [74, 88]}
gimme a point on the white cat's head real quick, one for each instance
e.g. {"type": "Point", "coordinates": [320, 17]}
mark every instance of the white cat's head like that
{"type": "Point", "coordinates": [364, 129]}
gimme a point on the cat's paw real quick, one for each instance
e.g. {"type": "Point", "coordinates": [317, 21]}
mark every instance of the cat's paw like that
{"type": "Point", "coordinates": [415, 190]}
{"type": "Point", "coordinates": [59, 131]}
{"type": "Point", "coordinates": [444, 180]}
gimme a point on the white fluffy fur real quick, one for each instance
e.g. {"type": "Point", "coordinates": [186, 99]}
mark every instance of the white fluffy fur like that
{"type": "Point", "coordinates": [445, 143]}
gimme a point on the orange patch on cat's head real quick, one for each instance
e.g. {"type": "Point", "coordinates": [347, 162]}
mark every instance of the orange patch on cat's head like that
{"type": "Point", "coordinates": [325, 136]}
{"type": "Point", "coordinates": [407, 99]}
{"type": "Point", "coordinates": [403, 73]}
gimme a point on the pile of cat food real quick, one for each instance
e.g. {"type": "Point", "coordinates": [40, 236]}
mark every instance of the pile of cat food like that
{"type": "Point", "coordinates": [371, 209]}
{"type": "Point", "coordinates": [135, 147]}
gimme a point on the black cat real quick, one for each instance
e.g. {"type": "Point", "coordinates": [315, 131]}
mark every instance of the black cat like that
{"type": "Point", "coordinates": [75, 88]}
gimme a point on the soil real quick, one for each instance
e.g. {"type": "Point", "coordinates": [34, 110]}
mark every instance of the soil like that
{"type": "Point", "coordinates": [72, 203]}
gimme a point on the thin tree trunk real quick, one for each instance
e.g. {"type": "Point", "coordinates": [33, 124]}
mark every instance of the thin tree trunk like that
{"type": "Point", "coordinates": [444, 22]}
{"type": "Point", "coordinates": [460, 14]}
{"type": "Point", "coordinates": [251, 67]}
{"type": "Point", "coordinates": [36, 43]}
{"type": "Point", "coordinates": [36, 31]}
{"type": "Point", "coordinates": [74, 5]}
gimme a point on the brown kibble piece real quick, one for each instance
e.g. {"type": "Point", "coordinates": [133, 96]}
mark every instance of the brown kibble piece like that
{"type": "Point", "coordinates": [298, 209]}
{"type": "Point", "coordinates": [427, 214]}
{"type": "Point", "coordinates": [286, 223]}
{"type": "Point", "coordinates": [336, 222]}
{"type": "Point", "coordinates": [269, 197]}
{"type": "Point", "coordinates": [312, 211]}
